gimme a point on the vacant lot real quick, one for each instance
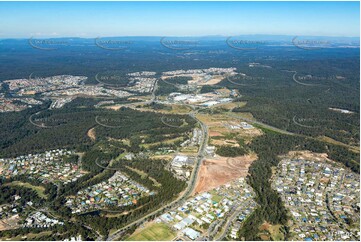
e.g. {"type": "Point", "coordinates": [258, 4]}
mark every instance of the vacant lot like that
{"type": "Point", "coordinates": [30, 236]}
{"type": "Point", "coordinates": [306, 155]}
{"type": "Point", "coordinates": [220, 132]}
{"type": "Point", "coordinates": [153, 231]}
{"type": "Point", "coordinates": [222, 170]}
{"type": "Point", "coordinates": [271, 232]}
{"type": "Point", "coordinates": [9, 223]}
{"type": "Point", "coordinates": [39, 189]}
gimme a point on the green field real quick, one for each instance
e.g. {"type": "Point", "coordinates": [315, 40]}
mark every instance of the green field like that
{"type": "Point", "coordinates": [30, 236]}
{"type": "Point", "coordinates": [39, 189]}
{"type": "Point", "coordinates": [215, 197]}
{"type": "Point", "coordinates": [153, 232]}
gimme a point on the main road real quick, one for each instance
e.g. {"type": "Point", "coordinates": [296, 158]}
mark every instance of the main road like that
{"type": "Point", "coordinates": [261, 124]}
{"type": "Point", "coordinates": [183, 196]}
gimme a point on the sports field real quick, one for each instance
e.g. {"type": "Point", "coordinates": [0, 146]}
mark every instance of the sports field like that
{"type": "Point", "coordinates": [154, 231]}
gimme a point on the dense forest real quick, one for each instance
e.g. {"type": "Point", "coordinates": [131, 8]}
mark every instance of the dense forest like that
{"type": "Point", "coordinates": [274, 98]}
{"type": "Point", "coordinates": [67, 127]}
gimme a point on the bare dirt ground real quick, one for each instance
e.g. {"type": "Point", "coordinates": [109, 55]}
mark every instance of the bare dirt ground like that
{"type": "Point", "coordinates": [217, 125]}
{"type": "Point", "coordinates": [215, 133]}
{"type": "Point", "coordinates": [215, 80]}
{"type": "Point", "coordinates": [30, 93]}
{"type": "Point", "coordinates": [222, 170]}
{"type": "Point", "coordinates": [199, 79]}
{"type": "Point", "coordinates": [91, 134]}
{"type": "Point", "coordinates": [9, 223]}
{"type": "Point", "coordinates": [221, 133]}
{"type": "Point", "coordinates": [228, 142]}
{"type": "Point", "coordinates": [163, 157]}
{"type": "Point", "coordinates": [114, 107]}
{"type": "Point", "coordinates": [307, 155]}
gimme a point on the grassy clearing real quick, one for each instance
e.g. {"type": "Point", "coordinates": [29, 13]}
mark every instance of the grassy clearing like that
{"type": "Point", "coordinates": [189, 150]}
{"type": "Point", "coordinates": [246, 115]}
{"type": "Point", "coordinates": [39, 189]}
{"type": "Point", "coordinates": [276, 233]}
{"type": "Point", "coordinates": [180, 109]}
{"type": "Point", "coordinates": [153, 232]}
{"type": "Point", "coordinates": [121, 156]}
{"type": "Point", "coordinates": [335, 142]}
{"type": "Point", "coordinates": [271, 232]}
{"type": "Point", "coordinates": [145, 176]}
{"type": "Point", "coordinates": [230, 106]}
{"type": "Point", "coordinates": [167, 141]}
{"type": "Point", "coordinates": [30, 236]}
{"type": "Point", "coordinates": [215, 197]}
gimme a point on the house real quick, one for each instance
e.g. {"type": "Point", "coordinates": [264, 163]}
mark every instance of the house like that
{"type": "Point", "coordinates": [179, 226]}
{"type": "Point", "coordinates": [210, 150]}
{"type": "Point", "coordinates": [180, 161]}
{"type": "Point", "coordinates": [191, 233]}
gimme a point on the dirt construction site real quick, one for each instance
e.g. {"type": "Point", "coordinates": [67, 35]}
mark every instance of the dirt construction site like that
{"type": "Point", "coordinates": [220, 170]}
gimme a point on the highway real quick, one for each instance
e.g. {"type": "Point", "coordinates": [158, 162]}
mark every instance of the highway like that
{"type": "Point", "coordinates": [262, 124]}
{"type": "Point", "coordinates": [282, 131]}
{"type": "Point", "coordinates": [193, 179]}
{"type": "Point", "coordinates": [191, 183]}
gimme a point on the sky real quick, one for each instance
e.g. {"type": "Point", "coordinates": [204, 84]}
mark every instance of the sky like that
{"type": "Point", "coordinates": [93, 19]}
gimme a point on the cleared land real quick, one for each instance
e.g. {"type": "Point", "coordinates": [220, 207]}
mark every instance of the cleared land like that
{"type": "Point", "coordinates": [9, 223]}
{"type": "Point", "coordinates": [198, 79]}
{"type": "Point", "coordinates": [39, 189]}
{"type": "Point", "coordinates": [30, 236]}
{"type": "Point", "coordinates": [271, 232]}
{"type": "Point", "coordinates": [167, 141]}
{"type": "Point", "coordinates": [153, 232]}
{"type": "Point", "coordinates": [307, 155]}
{"type": "Point", "coordinates": [144, 176]}
{"type": "Point", "coordinates": [229, 106]}
{"type": "Point", "coordinates": [91, 134]}
{"type": "Point", "coordinates": [221, 133]}
{"type": "Point", "coordinates": [221, 170]}
{"type": "Point", "coordinates": [332, 141]}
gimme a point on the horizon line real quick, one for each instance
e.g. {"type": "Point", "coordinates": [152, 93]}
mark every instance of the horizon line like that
{"type": "Point", "coordinates": [173, 36]}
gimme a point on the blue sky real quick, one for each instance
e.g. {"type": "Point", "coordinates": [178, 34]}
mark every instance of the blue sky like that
{"type": "Point", "coordinates": [91, 19]}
